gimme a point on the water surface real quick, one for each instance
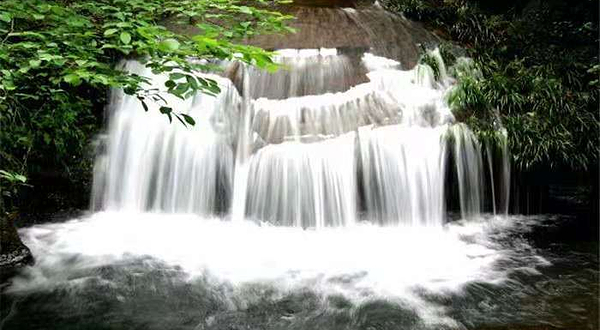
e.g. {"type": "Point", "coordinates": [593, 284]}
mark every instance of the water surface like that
{"type": "Point", "coordinates": [153, 271]}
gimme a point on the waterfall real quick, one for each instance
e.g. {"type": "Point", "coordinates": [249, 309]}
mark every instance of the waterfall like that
{"type": "Point", "coordinates": [403, 174]}
{"type": "Point", "coordinates": [469, 169]}
{"type": "Point", "coordinates": [335, 137]}
{"type": "Point", "coordinates": [157, 166]}
{"type": "Point", "coordinates": [497, 156]}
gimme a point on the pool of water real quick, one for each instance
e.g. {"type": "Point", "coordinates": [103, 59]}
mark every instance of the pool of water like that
{"type": "Point", "coordinates": [155, 271]}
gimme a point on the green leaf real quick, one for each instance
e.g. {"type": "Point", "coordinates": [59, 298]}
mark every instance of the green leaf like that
{"type": "Point", "coordinates": [176, 76]}
{"type": "Point", "coordinates": [72, 79]}
{"type": "Point", "coordinates": [144, 105]}
{"type": "Point", "coordinates": [245, 10]}
{"type": "Point", "coordinates": [5, 17]}
{"type": "Point", "coordinates": [170, 84]}
{"type": "Point", "coordinates": [35, 63]}
{"type": "Point", "coordinates": [110, 32]}
{"type": "Point", "coordinates": [188, 119]}
{"type": "Point", "coordinates": [54, 39]}
{"type": "Point", "coordinates": [168, 45]}
{"type": "Point", "coordinates": [20, 178]}
{"type": "Point", "coordinates": [76, 22]}
{"type": "Point", "coordinates": [213, 88]}
{"type": "Point", "coordinates": [8, 85]}
{"type": "Point", "coordinates": [165, 110]}
{"type": "Point", "coordinates": [125, 37]}
{"type": "Point", "coordinates": [12, 177]}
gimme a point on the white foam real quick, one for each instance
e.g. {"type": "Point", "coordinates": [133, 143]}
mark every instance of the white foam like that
{"type": "Point", "coordinates": [361, 261]}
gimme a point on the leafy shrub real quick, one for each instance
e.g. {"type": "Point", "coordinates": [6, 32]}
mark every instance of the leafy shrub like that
{"type": "Point", "coordinates": [534, 69]}
{"type": "Point", "coordinates": [57, 61]}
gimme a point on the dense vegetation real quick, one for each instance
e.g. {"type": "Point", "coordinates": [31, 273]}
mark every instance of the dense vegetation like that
{"type": "Point", "coordinates": [535, 70]}
{"type": "Point", "coordinates": [58, 61]}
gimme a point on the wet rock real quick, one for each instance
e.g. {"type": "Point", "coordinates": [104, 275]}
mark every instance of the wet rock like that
{"type": "Point", "coordinates": [325, 3]}
{"type": "Point", "coordinates": [384, 315]}
{"type": "Point", "coordinates": [358, 27]}
{"type": "Point", "coordinates": [13, 253]}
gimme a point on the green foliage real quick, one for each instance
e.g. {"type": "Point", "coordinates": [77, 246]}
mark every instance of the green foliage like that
{"type": "Point", "coordinates": [534, 69]}
{"type": "Point", "coordinates": [12, 178]}
{"type": "Point", "coordinates": [429, 60]}
{"type": "Point", "coordinates": [58, 59]}
{"type": "Point", "coordinates": [547, 124]}
{"type": "Point", "coordinates": [9, 186]}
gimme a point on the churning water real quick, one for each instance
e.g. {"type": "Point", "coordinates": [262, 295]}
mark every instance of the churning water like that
{"type": "Point", "coordinates": [127, 270]}
{"type": "Point", "coordinates": [313, 198]}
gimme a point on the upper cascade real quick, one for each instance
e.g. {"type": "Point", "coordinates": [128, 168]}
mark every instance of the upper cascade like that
{"type": "Point", "coordinates": [304, 72]}
{"type": "Point", "coordinates": [353, 27]}
{"type": "Point", "coordinates": [368, 28]}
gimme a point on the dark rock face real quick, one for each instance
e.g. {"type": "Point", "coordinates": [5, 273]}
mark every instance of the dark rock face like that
{"type": "Point", "coordinates": [13, 253]}
{"type": "Point", "coordinates": [370, 28]}
{"type": "Point", "coordinates": [350, 26]}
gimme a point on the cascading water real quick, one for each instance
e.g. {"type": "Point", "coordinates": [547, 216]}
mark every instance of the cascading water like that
{"type": "Point", "coordinates": [312, 198]}
{"type": "Point", "coordinates": [317, 150]}
{"type": "Point", "coordinates": [337, 135]}
{"type": "Point", "coordinates": [151, 165]}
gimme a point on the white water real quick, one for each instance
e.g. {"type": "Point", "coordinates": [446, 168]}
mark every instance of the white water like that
{"type": "Point", "coordinates": [362, 262]}
{"type": "Point", "coordinates": [151, 164]}
{"type": "Point", "coordinates": [304, 184]}
{"type": "Point", "coordinates": [342, 190]}
{"type": "Point", "coordinates": [469, 166]}
{"type": "Point", "coordinates": [403, 172]}
{"type": "Point", "coordinates": [305, 72]}
{"type": "Point", "coordinates": [378, 150]}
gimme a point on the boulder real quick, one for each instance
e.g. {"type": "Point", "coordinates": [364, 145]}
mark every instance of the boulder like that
{"type": "Point", "coordinates": [13, 253]}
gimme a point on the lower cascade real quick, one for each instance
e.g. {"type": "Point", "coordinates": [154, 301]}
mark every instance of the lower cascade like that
{"type": "Point", "coordinates": [287, 149]}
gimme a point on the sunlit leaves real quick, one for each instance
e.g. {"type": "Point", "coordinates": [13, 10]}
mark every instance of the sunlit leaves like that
{"type": "Point", "coordinates": [58, 60]}
{"type": "Point", "coordinates": [72, 79]}
{"type": "Point", "coordinates": [168, 45]}
{"type": "Point", "coordinates": [10, 181]}
{"type": "Point", "coordinates": [12, 177]}
{"type": "Point", "coordinates": [94, 33]}
{"type": "Point", "coordinates": [110, 32]}
{"type": "Point", "coordinates": [5, 17]}
{"type": "Point", "coordinates": [125, 37]}
{"type": "Point", "coordinates": [35, 63]}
